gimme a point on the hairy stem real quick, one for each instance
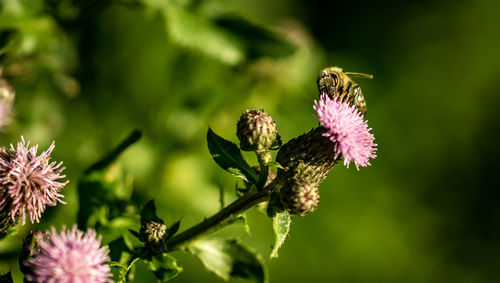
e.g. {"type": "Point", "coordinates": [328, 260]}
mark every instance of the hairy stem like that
{"type": "Point", "coordinates": [218, 220]}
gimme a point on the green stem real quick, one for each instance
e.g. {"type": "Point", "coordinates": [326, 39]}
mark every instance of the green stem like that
{"type": "Point", "coordinates": [263, 158]}
{"type": "Point", "coordinates": [219, 220]}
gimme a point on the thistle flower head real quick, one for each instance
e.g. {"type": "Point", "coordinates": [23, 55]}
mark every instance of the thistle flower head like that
{"type": "Point", "coordinates": [28, 183]}
{"type": "Point", "coordinates": [71, 256]}
{"type": "Point", "coordinates": [256, 130]}
{"type": "Point", "coordinates": [153, 231]}
{"type": "Point", "coordinates": [300, 197]}
{"type": "Point", "coordinates": [307, 157]}
{"type": "Point", "coordinates": [346, 128]}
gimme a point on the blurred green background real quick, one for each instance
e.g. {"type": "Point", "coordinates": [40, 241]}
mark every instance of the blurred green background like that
{"type": "Point", "coordinates": [88, 72]}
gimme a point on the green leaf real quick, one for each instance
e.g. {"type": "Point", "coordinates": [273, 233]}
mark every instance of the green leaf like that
{"type": "Point", "coordinates": [164, 267]}
{"type": "Point", "coordinates": [172, 230]}
{"type": "Point", "coordinates": [229, 258]}
{"type": "Point", "coordinates": [116, 248]}
{"type": "Point", "coordinates": [132, 138]}
{"type": "Point", "coordinates": [148, 212]}
{"type": "Point", "coordinates": [258, 40]}
{"type": "Point", "coordinates": [104, 188]}
{"type": "Point", "coordinates": [228, 156]}
{"type": "Point", "coordinates": [195, 32]}
{"type": "Point", "coordinates": [8, 38]}
{"type": "Point", "coordinates": [281, 227]}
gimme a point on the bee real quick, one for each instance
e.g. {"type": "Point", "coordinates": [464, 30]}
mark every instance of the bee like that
{"type": "Point", "coordinates": [335, 83]}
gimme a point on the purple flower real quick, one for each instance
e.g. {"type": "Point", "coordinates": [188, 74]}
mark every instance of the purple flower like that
{"type": "Point", "coordinates": [71, 256]}
{"type": "Point", "coordinates": [345, 127]}
{"type": "Point", "coordinates": [28, 183]}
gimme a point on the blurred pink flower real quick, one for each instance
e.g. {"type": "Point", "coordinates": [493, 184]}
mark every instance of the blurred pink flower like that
{"type": "Point", "coordinates": [345, 127]}
{"type": "Point", "coordinates": [28, 183]}
{"type": "Point", "coordinates": [71, 256]}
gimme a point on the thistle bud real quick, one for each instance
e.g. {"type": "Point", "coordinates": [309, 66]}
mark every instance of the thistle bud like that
{"type": "Point", "coordinates": [152, 233]}
{"type": "Point", "coordinates": [257, 131]}
{"type": "Point", "coordinates": [308, 158]}
{"type": "Point", "coordinates": [300, 197]}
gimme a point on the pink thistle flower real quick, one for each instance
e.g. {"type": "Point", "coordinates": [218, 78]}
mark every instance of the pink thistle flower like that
{"type": "Point", "coordinates": [71, 256]}
{"type": "Point", "coordinates": [345, 127]}
{"type": "Point", "coordinates": [28, 183]}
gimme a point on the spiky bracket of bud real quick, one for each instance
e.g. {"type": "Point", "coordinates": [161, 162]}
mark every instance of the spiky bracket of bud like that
{"type": "Point", "coordinates": [307, 158]}
{"type": "Point", "coordinates": [257, 131]}
{"type": "Point", "coordinates": [300, 197]}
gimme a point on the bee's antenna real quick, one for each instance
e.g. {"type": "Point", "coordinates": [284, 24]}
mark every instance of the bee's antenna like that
{"type": "Point", "coordinates": [359, 75]}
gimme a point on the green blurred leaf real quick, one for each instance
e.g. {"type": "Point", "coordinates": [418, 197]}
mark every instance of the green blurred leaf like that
{"type": "Point", "coordinates": [164, 267]}
{"type": "Point", "coordinates": [6, 278]}
{"type": "Point", "coordinates": [132, 138]}
{"type": "Point", "coordinates": [8, 38]}
{"type": "Point", "coordinates": [228, 156]}
{"type": "Point", "coordinates": [193, 31]}
{"type": "Point", "coordinates": [228, 258]}
{"type": "Point", "coordinates": [116, 248]}
{"type": "Point", "coordinates": [281, 227]}
{"type": "Point", "coordinates": [104, 190]}
{"type": "Point", "coordinates": [257, 40]}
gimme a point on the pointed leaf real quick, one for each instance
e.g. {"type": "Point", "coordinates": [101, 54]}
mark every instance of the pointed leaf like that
{"type": "Point", "coordinates": [172, 230]}
{"type": "Point", "coordinates": [228, 156]}
{"type": "Point", "coordinates": [228, 258]}
{"type": "Point", "coordinates": [281, 227]}
{"type": "Point", "coordinates": [164, 267]}
{"type": "Point", "coordinates": [148, 212]}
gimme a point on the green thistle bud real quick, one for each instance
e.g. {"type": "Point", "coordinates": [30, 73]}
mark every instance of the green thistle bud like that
{"type": "Point", "coordinates": [308, 158]}
{"type": "Point", "coordinates": [152, 233]}
{"type": "Point", "coordinates": [299, 197]}
{"type": "Point", "coordinates": [257, 131]}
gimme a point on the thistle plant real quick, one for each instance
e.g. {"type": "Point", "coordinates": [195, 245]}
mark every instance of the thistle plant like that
{"type": "Point", "coordinates": [28, 183]}
{"type": "Point", "coordinates": [289, 185]}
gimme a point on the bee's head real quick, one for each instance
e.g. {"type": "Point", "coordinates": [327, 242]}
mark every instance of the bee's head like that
{"type": "Point", "coordinates": [329, 80]}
